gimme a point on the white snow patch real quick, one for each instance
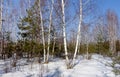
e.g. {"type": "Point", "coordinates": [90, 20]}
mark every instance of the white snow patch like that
{"type": "Point", "coordinates": [98, 66]}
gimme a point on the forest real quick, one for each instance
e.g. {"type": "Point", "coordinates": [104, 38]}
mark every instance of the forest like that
{"type": "Point", "coordinates": [58, 31]}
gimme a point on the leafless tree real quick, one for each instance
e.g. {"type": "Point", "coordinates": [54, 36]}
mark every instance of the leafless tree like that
{"type": "Point", "coordinates": [1, 15]}
{"type": "Point", "coordinates": [43, 36]}
{"type": "Point", "coordinates": [1, 10]}
{"type": "Point", "coordinates": [86, 6]}
{"type": "Point", "coordinates": [64, 32]}
{"type": "Point", "coordinates": [50, 23]}
{"type": "Point", "coordinates": [78, 34]}
{"type": "Point", "coordinates": [112, 20]}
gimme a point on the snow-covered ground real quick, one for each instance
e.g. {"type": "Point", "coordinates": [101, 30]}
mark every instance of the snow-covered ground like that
{"type": "Point", "coordinates": [97, 66]}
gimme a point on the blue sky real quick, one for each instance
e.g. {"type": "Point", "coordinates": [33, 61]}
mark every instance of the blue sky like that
{"type": "Point", "coordinates": [103, 6]}
{"type": "Point", "coordinates": [114, 5]}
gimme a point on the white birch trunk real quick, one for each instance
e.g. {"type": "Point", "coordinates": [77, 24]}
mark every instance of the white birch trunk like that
{"type": "Point", "coordinates": [112, 28]}
{"type": "Point", "coordinates": [1, 7]}
{"type": "Point", "coordinates": [87, 55]}
{"type": "Point", "coordinates": [64, 33]}
{"type": "Point", "coordinates": [87, 44]}
{"type": "Point", "coordinates": [41, 24]}
{"type": "Point", "coordinates": [112, 38]}
{"type": "Point", "coordinates": [53, 45]}
{"type": "Point", "coordinates": [115, 37]}
{"type": "Point", "coordinates": [78, 35]}
{"type": "Point", "coordinates": [50, 23]}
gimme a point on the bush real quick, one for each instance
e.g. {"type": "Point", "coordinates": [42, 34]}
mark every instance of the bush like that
{"type": "Point", "coordinates": [116, 70]}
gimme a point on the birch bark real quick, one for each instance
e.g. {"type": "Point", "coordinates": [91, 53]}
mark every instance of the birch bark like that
{"type": "Point", "coordinates": [64, 32]}
{"type": "Point", "coordinates": [42, 27]}
{"type": "Point", "coordinates": [50, 23]}
{"type": "Point", "coordinates": [78, 35]}
{"type": "Point", "coordinates": [1, 7]}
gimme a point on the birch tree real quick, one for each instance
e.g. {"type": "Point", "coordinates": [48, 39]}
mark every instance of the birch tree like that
{"type": "Point", "coordinates": [78, 35]}
{"type": "Point", "coordinates": [86, 34]}
{"type": "Point", "coordinates": [64, 33]}
{"type": "Point", "coordinates": [86, 7]}
{"type": "Point", "coordinates": [50, 23]}
{"type": "Point", "coordinates": [42, 27]}
{"type": "Point", "coordinates": [54, 42]}
{"type": "Point", "coordinates": [1, 7]}
{"type": "Point", "coordinates": [112, 30]}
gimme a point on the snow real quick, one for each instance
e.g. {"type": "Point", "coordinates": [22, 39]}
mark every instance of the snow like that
{"type": "Point", "coordinates": [117, 66]}
{"type": "Point", "coordinates": [97, 66]}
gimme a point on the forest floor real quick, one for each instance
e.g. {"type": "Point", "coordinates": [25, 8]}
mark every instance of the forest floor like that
{"type": "Point", "coordinates": [97, 66]}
